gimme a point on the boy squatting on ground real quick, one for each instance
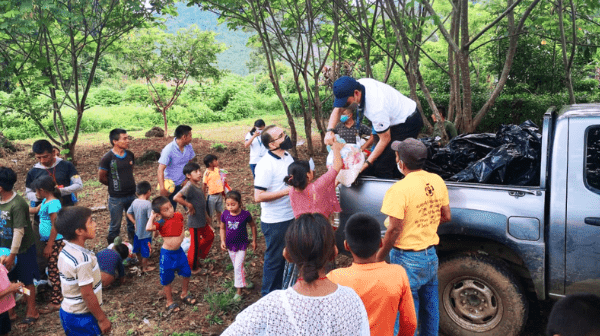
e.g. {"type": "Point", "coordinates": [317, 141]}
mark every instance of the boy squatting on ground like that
{"type": "Point", "coordinates": [383, 288]}
{"type": "Point", "coordinates": [80, 278]}
{"type": "Point", "coordinates": [139, 212]}
{"type": "Point", "coordinates": [169, 224]}
{"type": "Point", "coordinates": [213, 186]}
{"type": "Point", "coordinates": [202, 235]}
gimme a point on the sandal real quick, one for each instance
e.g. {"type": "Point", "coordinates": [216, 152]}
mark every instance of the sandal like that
{"type": "Point", "coordinates": [189, 300]}
{"type": "Point", "coordinates": [173, 308]}
{"type": "Point", "coordinates": [25, 323]}
{"type": "Point", "coordinates": [50, 308]}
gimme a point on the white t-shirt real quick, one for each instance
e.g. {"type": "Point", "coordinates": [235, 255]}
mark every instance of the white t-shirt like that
{"type": "Point", "coordinates": [285, 312]}
{"type": "Point", "coordinates": [257, 150]}
{"type": "Point", "coordinates": [270, 172]}
{"type": "Point", "coordinates": [384, 105]}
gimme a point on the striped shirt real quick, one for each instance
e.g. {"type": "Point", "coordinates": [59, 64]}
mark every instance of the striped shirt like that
{"type": "Point", "coordinates": [78, 267]}
{"type": "Point", "coordinates": [172, 157]}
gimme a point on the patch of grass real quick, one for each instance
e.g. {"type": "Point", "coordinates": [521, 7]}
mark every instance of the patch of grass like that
{"type": "Point", "coordinates": [131, 315]}
{"type": "Point", "coordinates": [219, 147]}
{"type": "Point", "coordinates": [92, 183]}
{"type": "Point", "coordinates": [214, 319]}
{"type": "Point", "coordinates": [229, 267]}
{"type": "Point", "coordinates": [220, 301]}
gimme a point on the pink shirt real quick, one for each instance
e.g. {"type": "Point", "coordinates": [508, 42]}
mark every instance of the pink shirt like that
{"type": "Point", "coordinates": [317, 197]}
{"type": "Point", "coordinates": [8, 301]}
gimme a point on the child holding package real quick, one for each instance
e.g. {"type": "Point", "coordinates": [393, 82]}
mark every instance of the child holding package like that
{"type": "Point", "coordinates": [234, 238]}
{"type": "Point", "coordinates": [383, 288]}
{"type": "Point", "coordinates": [45, 189]}
{"type": "Point", "coordinates": [139, 212]}
{"type": "Point", "coordinates": [192, 197]}
{"type": "Point", "coordinates": [80, 279]}
{"type": "Point", "coordinates": [169, 224]}
{"type": "Point", "coordinates": [314, 197]}
{"type": "Point", "coordinates": [213, 186]}
{"type": "Point", "coordinates": [7, 298]}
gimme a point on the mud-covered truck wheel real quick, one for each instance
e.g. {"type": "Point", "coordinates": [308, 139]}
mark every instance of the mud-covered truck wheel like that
{"type": "Point", "coordinates": [480, 296]}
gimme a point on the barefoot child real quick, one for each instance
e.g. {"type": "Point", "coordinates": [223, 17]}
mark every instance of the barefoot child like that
{"type": "Point", "coordinates": [169, 224]}
{"type": "Point", "coordinates": [46, 190]}
{"type": "Point", "coordinates": [139, 212]}
{"type": "Point", "coordinates": [192, 197]}
{"type": "Point", "coordinates": [80, 279]}
{"type": "Point", "coordinates": [234, 237]}
{"type": "Point", "coordinates": [213, 186]}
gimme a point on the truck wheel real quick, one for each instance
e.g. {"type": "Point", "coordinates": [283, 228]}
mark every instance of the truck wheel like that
{"type": "Point", "coordinates": [479, 294]}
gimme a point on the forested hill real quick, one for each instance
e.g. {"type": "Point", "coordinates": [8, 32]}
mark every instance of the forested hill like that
{"type": "Point", "coordinates": [235, 57]}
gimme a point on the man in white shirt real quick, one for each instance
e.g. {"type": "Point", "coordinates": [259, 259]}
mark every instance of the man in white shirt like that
{"type": "Point", "coordinates": [393, 115]}
{"type": "Point", "coordinates": [276, 210]}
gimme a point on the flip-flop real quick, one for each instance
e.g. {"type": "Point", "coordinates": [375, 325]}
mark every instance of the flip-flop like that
{"type": "Point", "coordinates": [173, 308]}
{"type": "Point", "coordinates": [25, 323]}
{"type": "Point", "coordinates": [189, 300]}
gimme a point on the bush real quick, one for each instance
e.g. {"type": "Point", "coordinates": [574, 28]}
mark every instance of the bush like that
{"type": "Point", "coordinates": [137, 94]}
{"type": "Point", "coordinates": [587, 84]}
{"type": "Point", "coordinates": [219, 94]}
{"type": "Point", "coordinates": [104, 97]}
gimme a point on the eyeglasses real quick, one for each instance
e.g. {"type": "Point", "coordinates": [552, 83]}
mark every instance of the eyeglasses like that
{"type": "Point", "coordinates": [281, 136]}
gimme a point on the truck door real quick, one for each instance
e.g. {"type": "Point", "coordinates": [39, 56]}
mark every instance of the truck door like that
{"type": "Point", "coordinates": [583, 208]}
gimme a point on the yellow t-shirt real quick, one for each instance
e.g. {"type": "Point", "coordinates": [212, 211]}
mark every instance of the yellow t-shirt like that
{"type": "Point", "coordinates": [213, 180]}
{"type": "Point", "coordinates": [418, 199]}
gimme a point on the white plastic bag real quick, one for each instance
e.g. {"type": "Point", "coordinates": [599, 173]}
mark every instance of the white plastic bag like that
{"type": "Point", "coordinates": [353, 160]}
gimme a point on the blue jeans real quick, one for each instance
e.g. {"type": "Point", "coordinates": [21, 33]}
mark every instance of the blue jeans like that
{"type": "Point", "coordinates": [252, 167]}
{"type": "Point", "coordinates": [274, 261]}
{"type": "Point", "coordinates": [116, 207]}
{"type": "Point", "coordinates": [421, 268]}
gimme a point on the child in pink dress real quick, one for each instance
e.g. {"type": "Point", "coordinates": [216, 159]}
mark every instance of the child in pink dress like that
{"type": "Point", "coordinates": [7, 299]}
{"type": "Point", "coordinates": [318, 196]}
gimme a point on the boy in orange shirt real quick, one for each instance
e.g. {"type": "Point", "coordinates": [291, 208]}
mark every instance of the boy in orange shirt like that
{"type": "Point", "coordinates": [383, 288]}
{"type": "Point", "coordinates": [213, 187]}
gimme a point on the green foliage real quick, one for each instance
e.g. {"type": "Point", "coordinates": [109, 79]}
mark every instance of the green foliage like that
{"type": "Point", "coordinates": [137, 94]}
{"type": "Point", "coordinates": [219, 147]}
{"type": "Point", "coordinates": [220, 301]}
{"type": "Point", "coordinates": [104, 97]}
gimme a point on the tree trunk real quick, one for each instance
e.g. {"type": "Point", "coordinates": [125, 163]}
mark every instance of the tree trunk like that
{"type": "Point", "coordinates": [163, 111]}
{"type": "Point", "coordinates": [563, 42]}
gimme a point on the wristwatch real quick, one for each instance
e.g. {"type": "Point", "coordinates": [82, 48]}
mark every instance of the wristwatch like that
{"type": "Point", "coordinates": [330, 130]}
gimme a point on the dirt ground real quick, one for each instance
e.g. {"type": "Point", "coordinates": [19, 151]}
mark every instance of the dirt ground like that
{"type": "Point", "coordinates": [138, 306]}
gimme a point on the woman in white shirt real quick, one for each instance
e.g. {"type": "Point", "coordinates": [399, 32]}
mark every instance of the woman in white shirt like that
{"type": "Point", "coordinates": [252, 140]}
{"type": "Point", "coordinates": [314, 305]}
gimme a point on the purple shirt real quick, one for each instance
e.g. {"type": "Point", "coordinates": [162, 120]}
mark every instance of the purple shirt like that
{"type": "Point", "coordinates": [236, 233]}
{"type": "Point", "coordinates": [175, 159]}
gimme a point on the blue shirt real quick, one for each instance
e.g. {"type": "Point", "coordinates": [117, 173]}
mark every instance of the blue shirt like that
{"type": "Point", "coordinates": [47, 208]}
{"type": "Point", "coordinates": [175, 159]}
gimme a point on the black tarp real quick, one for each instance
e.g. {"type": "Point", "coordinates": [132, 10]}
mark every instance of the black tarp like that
{"type": "Point", "coordinates": [511, 156]}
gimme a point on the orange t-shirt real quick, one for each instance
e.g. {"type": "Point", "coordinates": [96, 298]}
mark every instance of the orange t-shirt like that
{"type": "Point", "coordinates": [212, 178]}
{"type": "Point", "coordinates": [384, 290]}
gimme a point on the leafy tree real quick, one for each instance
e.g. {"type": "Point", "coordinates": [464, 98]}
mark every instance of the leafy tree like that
{"type": "Point", "coordinates": [160, 57]}
{"type": "Point", "coordinates": [52, 49]}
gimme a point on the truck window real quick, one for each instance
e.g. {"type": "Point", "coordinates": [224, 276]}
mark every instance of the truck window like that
{"type": "Point", "coordinates": [592, 164]}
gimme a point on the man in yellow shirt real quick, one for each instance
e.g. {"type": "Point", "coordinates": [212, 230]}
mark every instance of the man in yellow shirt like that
{"type": "Point", "coordinates": [416, 206]}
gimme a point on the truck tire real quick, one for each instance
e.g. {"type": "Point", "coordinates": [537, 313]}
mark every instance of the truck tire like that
{"type": "Point", "coordinates": [479, 296]}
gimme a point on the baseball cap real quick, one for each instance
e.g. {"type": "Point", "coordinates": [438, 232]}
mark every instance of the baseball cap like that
{"type": "Point", "coordinates": [342, 89]}
{"type": "Point", "coordinates": [412, 152]}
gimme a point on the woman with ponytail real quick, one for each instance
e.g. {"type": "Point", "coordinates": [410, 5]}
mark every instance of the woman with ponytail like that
{"type": "Point", "coordinates": [252, 140]}
{"type": "Point", "coordinates": [314, 305]}
{"type": "Point", "coordinates": [46, 190]}
{"type": "Point", "coordinates": [319, 196]}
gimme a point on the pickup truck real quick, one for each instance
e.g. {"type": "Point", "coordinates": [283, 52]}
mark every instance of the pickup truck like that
{"type": "Point", "coordinates": [508, 244]}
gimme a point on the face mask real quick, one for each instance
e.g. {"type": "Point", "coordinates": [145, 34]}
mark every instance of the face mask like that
{"type": "Point", "coordinates": [344, 118]}
{"type": "Point", "coordinates": [286, 143]}
{"type": "Point", "coordinates": [399, 169]}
